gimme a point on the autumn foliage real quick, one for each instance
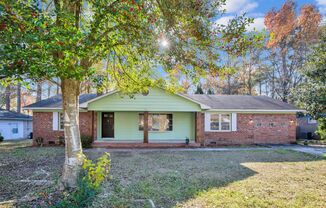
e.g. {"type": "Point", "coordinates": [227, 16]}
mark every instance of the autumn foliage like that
{"type": "Point", "coordinates": [284, 23]}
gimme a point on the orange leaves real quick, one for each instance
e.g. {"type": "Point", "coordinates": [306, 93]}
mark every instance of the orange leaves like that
{"type": "Point", "coordinates": [308, 22]}
{"type": "Point", "coordinates": [280, 23]}
{"type": "Point", "coordinates": [284, 22]}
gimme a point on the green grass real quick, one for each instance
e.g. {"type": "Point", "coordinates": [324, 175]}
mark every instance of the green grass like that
{"type": "Point", "coordinates": [273, 178]}
{"type": "Point", "coordinates": [247, 178]}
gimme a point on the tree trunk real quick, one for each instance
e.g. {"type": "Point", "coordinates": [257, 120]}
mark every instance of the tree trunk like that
{"type": "Point", "coordinates": [73, 150]}
{"type": "Point", "coordinates": [49, 89]}
{"type": "Point", "coordinates": [39, 92]}
{"type": "Point", "coordinates": [19, 103]}
{"type": "Point", "coordinates": [7, 99]}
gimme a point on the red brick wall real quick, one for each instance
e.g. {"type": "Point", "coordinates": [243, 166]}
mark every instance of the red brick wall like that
{"type": "Point", "coordinates": [42, 126]}
{"type": "Point", "coordinates": [248, 132]}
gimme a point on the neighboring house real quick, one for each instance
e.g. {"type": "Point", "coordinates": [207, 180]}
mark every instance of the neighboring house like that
{"type": "Point", "coordinates": [120, 121]}
{"type": "Point", "coordinates": [307, 127]}
{"type": "Point", "coordinates": [15, 125]}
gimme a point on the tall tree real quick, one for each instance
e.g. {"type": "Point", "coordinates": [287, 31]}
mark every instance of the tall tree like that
{"type": "Point", "coordinates": [311, 94]}
{"type": "Point", "coordinates": [19, 100]}
{"type": "Point", "coordinates": [8, 97]}
{"type": "Point", "coordinates": [290, 37]}
{"type": "Point", "coordinates": [38, 91]}
{"type": "Point", "coordinates": [199, 89]}
{"type": "Point", "coordinates": [64, 38]}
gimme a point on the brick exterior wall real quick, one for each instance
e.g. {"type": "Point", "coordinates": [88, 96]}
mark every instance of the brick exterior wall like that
{"type": "Point", "coordinates": [43, 127]}
{"type": "Point", "coordinates": [251, 129]}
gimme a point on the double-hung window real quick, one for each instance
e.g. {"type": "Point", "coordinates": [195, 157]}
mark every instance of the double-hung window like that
{"type": "Point", "coordinates": [218, 122]}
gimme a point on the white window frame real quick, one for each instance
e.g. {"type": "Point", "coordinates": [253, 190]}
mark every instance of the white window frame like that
{"type": "Point", "coordinates": [232, 117]}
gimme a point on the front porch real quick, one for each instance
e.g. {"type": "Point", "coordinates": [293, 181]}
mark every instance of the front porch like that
{"type": "Point", "coordinates": [144, 129]}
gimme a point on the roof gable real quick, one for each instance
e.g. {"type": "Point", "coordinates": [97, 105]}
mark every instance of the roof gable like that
{"type": "Point", "coordinates": [156, 100]}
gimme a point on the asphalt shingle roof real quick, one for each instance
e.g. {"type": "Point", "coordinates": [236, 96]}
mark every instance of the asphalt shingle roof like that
{"type": "Point", "coordinates": [241, 102]}
{"type": "Point", "coordinates": [56, 101]}
{"type": "Point", "coordinates": [10, 115]}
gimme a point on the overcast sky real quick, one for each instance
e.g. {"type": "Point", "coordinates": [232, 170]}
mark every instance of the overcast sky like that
{"type": "Point", "coordinates": [258, 8]}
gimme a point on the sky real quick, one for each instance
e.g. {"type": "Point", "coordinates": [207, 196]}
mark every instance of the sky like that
{"type": "Point", "coordinates": [258, 8]}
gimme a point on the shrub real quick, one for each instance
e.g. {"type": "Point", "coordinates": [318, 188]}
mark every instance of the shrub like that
{"type": "Point", "coordinates": [86, 141]}
{"type": "Point", "coordinates": [39, 141]}
{"type": "Point", "coordinates": [92, 176]}
{"type": "Point", "coordinates": [97, 172]}
{"type": "Point", "coordinates": [61, 140]}
{"type": "Point", "coordinates": [1, 138]}
{"type": "Point", "coordinates": [321, 129]}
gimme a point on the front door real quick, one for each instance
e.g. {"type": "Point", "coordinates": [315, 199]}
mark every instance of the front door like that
{"type": "Point", "coordinates": [107, 125]}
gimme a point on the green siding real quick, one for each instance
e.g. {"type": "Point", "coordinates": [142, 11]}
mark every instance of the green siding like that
{"type": "Point", "coordinates": [126, 128]}
{"type": "Point", "coordinates": [156, 100]}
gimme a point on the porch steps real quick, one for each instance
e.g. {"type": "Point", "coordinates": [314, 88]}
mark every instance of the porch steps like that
{"type": "Point", "coordinates": [101, 144]}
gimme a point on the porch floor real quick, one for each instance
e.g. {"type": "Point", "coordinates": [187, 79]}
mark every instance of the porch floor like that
{"type": "Point", "coordinates": [107, 144]}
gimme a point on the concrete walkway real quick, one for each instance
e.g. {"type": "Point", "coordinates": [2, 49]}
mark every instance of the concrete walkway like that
{"type": "Point", "coordinates": [318, 151]}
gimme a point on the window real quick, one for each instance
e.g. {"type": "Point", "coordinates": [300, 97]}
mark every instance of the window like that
{"type": "Point", "coordinates": [215, 122]}
{"type": "Point", "coordinates": [156, 122]}
{"type": "Point", "coordinates": [15, 128]}
{"type": "Point", "coordinates": [60, 121]}
{"type": "Point", "coordinates": [219, 122]}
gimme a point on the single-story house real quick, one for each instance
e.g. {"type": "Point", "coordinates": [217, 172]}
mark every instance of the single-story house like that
{"type": "Point", "coordinates": [15, 125]}
{"type": "Point", "coordinates": [160, 118]}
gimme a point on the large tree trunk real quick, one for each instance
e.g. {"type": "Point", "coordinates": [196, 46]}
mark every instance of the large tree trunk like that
{"type": "Point", "coordinates": [73, 151]}
{"type": "Point", "coordinates": [19, 101]}
{"type": "Point", "coordinates": [7, 98]}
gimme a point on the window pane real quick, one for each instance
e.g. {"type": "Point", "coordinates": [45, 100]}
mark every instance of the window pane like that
{"type": "Point", "coordinates": [141, 122]}
{"type": "Point", "coordinates": [225, 121]}
{"type": "Point", "coordinates": [215, 124]}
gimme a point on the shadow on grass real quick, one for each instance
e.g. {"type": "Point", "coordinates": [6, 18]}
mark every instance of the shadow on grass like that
{"type": "Point", "coordinates": [171, 177]}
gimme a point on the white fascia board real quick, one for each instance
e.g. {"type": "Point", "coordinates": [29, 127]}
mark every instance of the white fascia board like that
{"type": "Point", "coordinates": [49, 109]}
{"type": "Point", "coordinates": [255, 110]}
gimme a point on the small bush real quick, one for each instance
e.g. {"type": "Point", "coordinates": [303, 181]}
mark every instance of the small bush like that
{"type": "Point", "coordinates": [86, 141]}
{"type": "Point", "coordinates": [61, 140]}
{"type": "Point", "coordinates": [97, 172]}
{"type": "Point", "coordinates": [1, 138]}
{"type": "Point", "coordinates": [92, 176]}
{"type": "Point", "coordinates": [39, 141]}
{"type": "Point", "coordinates": [321, 129]}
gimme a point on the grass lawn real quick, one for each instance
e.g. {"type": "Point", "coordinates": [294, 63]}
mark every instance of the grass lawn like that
{"type": "Point", "coordinates": [255, 178]}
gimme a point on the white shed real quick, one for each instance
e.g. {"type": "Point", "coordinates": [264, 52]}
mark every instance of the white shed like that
{"type": "Point", "coordinates": [15, 125]}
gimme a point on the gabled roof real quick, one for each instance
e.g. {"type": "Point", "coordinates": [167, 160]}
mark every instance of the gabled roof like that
{"type": "Point", "coordinates": [206, 102]}
{"type": "Point", "coordinates": [242, 102]}
{"type": "Point", "coordinates": [10, 115]}
{"type": "Point", "coordinates": [55, 102]}
{"type": "Point", "coordinates": [84, 105]}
